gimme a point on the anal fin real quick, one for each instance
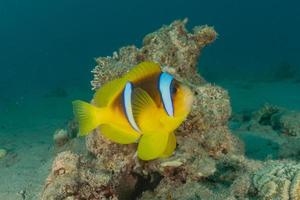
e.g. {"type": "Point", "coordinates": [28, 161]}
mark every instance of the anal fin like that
{"type": "Point", "coordinates": [118, 135]}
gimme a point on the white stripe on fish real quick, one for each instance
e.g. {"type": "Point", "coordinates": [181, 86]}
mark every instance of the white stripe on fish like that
{"type": "Point", "coordinates": [127, 104]}
{"type": "Point", "coordinates": [164, 85]}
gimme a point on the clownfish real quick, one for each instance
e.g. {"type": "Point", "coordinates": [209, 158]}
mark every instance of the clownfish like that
{"type": "Point", "coordinates": [145, 105]}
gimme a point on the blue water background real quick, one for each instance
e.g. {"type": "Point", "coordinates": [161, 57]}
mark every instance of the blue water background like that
{"type": "Point", "coordinates": [48, 44]}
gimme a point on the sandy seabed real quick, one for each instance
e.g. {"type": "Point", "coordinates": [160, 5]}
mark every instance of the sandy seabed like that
{"type": "Point", "coordinates": [27, 124]}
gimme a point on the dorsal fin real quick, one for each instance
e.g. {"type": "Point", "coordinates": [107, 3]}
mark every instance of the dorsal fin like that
{"type": "Point", "coordinates": [141, 101]}
{"type": "Point", "coordinates": [142, 70]}
{"type": "Point", "coordinates": [143, 107]}
{"type": "Point", "coordinates": [107, 93]}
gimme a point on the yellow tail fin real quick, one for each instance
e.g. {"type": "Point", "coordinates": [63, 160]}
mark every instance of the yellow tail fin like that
{"type": "Point", "coordinates": [88, 116]}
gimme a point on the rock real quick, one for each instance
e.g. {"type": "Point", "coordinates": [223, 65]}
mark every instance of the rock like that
{"type": "Point", "coordinates": [72, 178]}
{"type": "Point", "coordinates": [289, 124]}
{"type": "Point", "coordinates": [278, 180]}
{"type": "Point", "coordinates": [61, 137]}
{"type": "Point", "coordinates": [171, 45]}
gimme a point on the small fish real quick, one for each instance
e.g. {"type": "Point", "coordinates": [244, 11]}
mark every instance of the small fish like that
{"type": "Point", "coordinates": [145, 105]}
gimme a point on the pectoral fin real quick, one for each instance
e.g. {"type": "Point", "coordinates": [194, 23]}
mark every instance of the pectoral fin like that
{"type": "Point", "coordinates": [144, 110]}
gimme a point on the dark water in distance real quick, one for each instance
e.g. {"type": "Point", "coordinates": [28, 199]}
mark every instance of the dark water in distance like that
{"type": "Point", "coordinates": [46, 44]}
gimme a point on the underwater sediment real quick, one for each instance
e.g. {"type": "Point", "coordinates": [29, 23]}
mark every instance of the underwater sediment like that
{"type": "Point", "coordinates": [209, 161]}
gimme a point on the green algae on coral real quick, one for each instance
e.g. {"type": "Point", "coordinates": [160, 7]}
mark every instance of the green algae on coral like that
{"type": "Point", "coordinates": [3, 153]}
